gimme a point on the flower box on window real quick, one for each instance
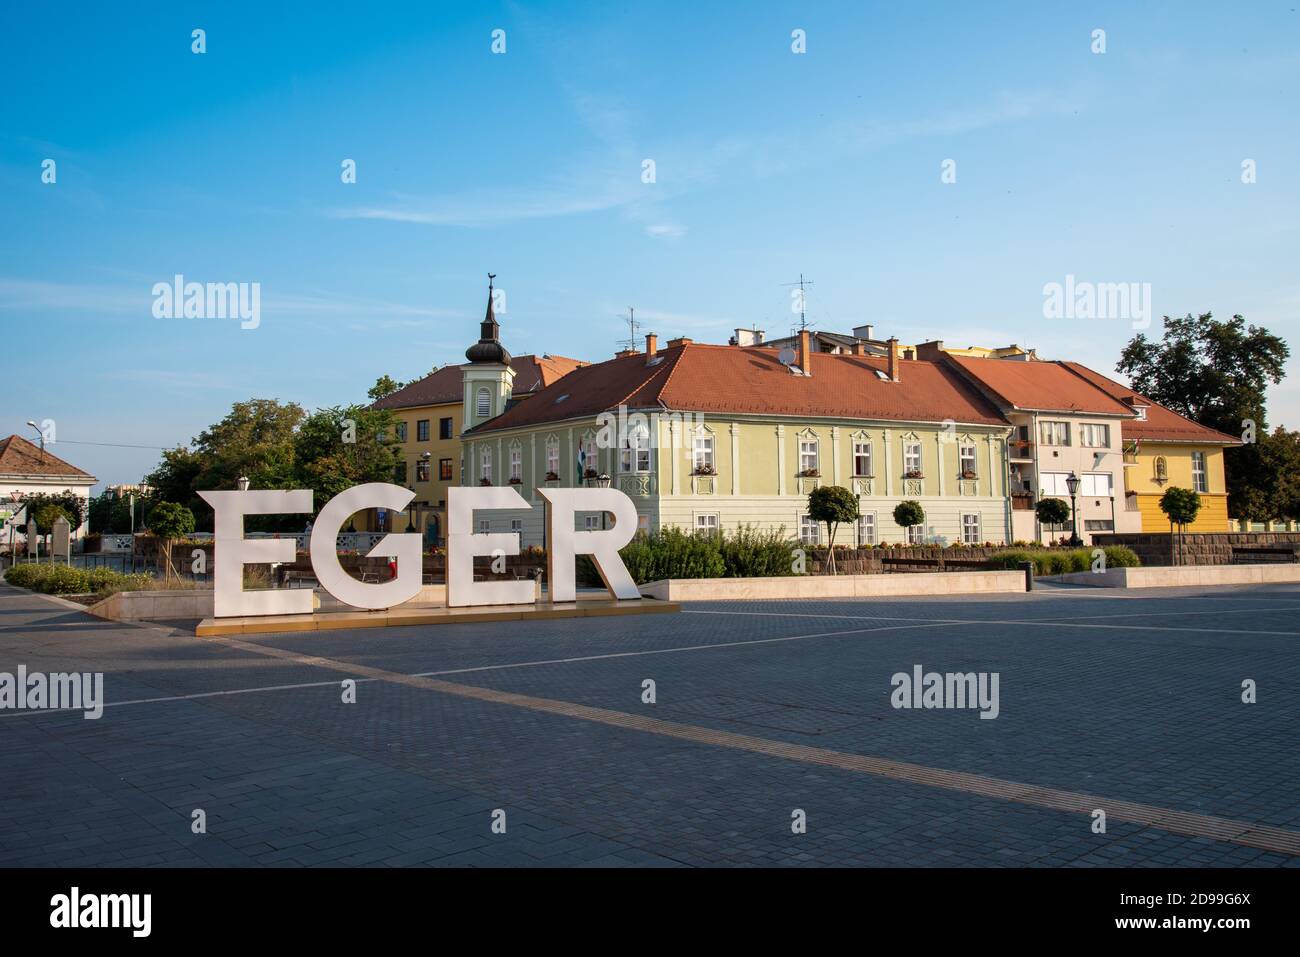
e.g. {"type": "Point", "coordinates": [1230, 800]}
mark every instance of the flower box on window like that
{"type": "Point", "coordinates": [704, 470]}
{"type": "Point", "coordinates": [810, 473]}
{"type": "Point", "coordinates": [552, 476]}
{"type": "Point", "coordinates": [914, 474]}
{"type": "Point", "coordinates": [485, 481]}
{"type": "Point", "coordinates": [516, 481]}
{"type": "Point", "coordinates": [590, 474]}
{"type": "Point", "coordinates": [969, 474]}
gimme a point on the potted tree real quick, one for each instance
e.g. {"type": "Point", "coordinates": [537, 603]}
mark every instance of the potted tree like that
{"type": "Point", "coordinates": [832, 504]}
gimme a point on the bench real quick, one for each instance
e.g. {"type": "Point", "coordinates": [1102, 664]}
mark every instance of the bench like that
{"type": "Point", "coordinates": [940, 564]}
{"type": "Point", "coordinates": [1246, 551]}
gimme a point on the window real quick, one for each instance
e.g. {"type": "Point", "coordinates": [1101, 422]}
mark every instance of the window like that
{"type": "Point", "coordinates": [970, 528]}
{"type": "Point", "coordinates": [635, 454]}
{"type": "Point", "coordinates": [1053, 483]}
{"type": "Point", "coordinates": [916, 534]}
{"type": "Point", "coordinates": [592, 523]}
{"type": "Point", "coordinates": [399, 473]}
{"type": "Point", "coordinates": [1094, 436]}
{"type": "Point", "coordinates": [484, 406]}
{"type": "Point", "coordinates": [1096, 484]}
{"type": "Point", "coordinates": [862, 459]}
{"type": "Point", "coordinates": [1141, 411]}
{"type": "Point", "coordinates": [966, 458]}
{"type": "Point", "coordinates": [867, 529]}
{"type": "Point", "coordinates": [422, 430]}
{"type": "Point", "coordinates": [911, 458]}
{"type": "Point", "coordinates": [553, 457]}
{"type": "Point", "coordinates": [484, 526]}
{"type": "Point", "coordinates": [516, 464]}
{"type": "Point", "coordinates": [444, 428]}
{"type": "Point", "coordinates": [422, 470]}
{"type": "Point", "coordinates": [401, 431]}
{"type": "Point", "coordinates": [1098, 525]}
{"type": "Point", "coordinates": [807, 455]}
{"type": "Point", "coordinates": [708, 524]}
{"type": "Point", "coordinates": [702, 454]}
{"type": "Point", "coordinates": [809, 531]}
{"type": "Point", "coordinates": [1199, 483]}
{"type": "Point", "coordinates": [444, 470]}
{"type": "Point", "coordinates": [591, 457]}
{"type": "Point", "coordinates": [485, 464]}
{"type": "Point", "coordinates": [1054, 433]}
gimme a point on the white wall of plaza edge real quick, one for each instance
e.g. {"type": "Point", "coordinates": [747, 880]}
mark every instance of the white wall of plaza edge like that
{"type": "Point", "coordinates": [836, 586]}
{"type": "Point", "coordinates": [1192, 576]}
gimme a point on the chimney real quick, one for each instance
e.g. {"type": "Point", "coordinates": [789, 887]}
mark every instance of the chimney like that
{"type": "Point", "coordinates": [864, 332]}
{"type": "Point", "coordinates": [805, 352]}
{"type": "Point", "coordinates": [651, 344]}
{"type": "Point", "coordinates": [932, 350]}
{"type": "Point", "coordinates": [893, 358]}
{"type": "Point", "coordinates": [679, 341]}
{"type": "Point", "coordinates": [859, 348]}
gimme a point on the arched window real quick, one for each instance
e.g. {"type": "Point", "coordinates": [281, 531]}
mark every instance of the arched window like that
{"type": "Point", "coordinates": [484, 402]}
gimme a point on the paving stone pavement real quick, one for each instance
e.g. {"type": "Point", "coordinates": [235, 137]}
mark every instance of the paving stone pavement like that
{"type": "Point", "coordinates": [1131, 697]}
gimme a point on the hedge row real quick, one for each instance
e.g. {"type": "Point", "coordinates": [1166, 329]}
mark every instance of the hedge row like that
{"type": "Point", "coordinates": [674, 553]}
{"type": "Point", "coordinates": [1059, 561]}
{"type": "Point", "coordinates": [64, 580]}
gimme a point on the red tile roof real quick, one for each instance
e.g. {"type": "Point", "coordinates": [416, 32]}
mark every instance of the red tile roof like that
{"type": "Point", "coordinates": [729, 379]}
{"type": "Point", "coordinates": [20, 457]}
{"type": "Point", "coordinates": [1161, 424]}
{"type": "Point", "coordinates": [1040, 386]}
{"type": "Point", "coordinates": [447, 384]}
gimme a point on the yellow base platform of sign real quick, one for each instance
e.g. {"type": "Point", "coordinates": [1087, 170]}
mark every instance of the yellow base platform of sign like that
{"type": "Point", "coordinates": [406, 615]}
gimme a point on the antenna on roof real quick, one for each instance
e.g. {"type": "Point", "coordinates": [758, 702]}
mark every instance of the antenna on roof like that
{"type": "Point", "coordinates": [632, 339]}
{"type": "Point", "coordinates": [803, 299]}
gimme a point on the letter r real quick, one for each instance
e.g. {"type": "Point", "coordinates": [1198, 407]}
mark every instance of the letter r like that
{"type": "Point", "coordinates": [566, 543]}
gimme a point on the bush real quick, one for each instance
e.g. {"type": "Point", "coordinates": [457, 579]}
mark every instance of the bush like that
{"type": "Point", "coordinates": [1059, 561]}
{"type": "Point", "coordinates": [674, 553]}
{"type": "Point", "coordinates": [64, 580]}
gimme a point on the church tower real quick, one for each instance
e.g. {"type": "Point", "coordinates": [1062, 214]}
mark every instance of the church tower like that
{"type": "Point", "coordinates": [489, 380]}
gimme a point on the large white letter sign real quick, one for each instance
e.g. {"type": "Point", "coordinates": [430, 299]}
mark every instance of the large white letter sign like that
{"type": "Point", "coordinates": [463, 544]}
{"type": "Point", "coordinates": [566, 543]}
{"type": "Point", "coordinates": [406, 546]}
{"type": "Point", "coordinates": [232, 552]}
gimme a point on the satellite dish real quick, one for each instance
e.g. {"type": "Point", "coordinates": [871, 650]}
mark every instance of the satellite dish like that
{"type": "Point", "coordinates": [786, 356]}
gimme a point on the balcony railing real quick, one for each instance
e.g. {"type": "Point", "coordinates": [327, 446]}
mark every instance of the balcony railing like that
{"type": "Point", "coordinates": [1022, 501]}
{"type": "Point", "coordinates": [1021, 450]}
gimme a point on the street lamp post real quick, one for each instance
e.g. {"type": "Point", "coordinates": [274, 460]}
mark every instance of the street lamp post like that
{"type": "Point", "coordinates": [603, 481]}
{"type": "Point", "coordinates": [242, 482]}
{"type": "Point", "coordinates": [1072, 483]}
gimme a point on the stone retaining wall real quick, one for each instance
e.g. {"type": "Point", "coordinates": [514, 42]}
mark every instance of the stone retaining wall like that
{"type": "Point", "coordinates": [1196, 548]}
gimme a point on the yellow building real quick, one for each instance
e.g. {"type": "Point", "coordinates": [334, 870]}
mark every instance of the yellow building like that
{"type": "Point", "coordinates": [432, 412]}
{"type": "Point", "coordinates": [1162, 449]}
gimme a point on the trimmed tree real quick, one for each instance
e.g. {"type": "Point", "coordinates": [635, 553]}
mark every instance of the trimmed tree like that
{"type": "Point", "coordinates": [909, 513]}
{"type": "Point", "coordinates": [1180, 506]}
{"type": "Point", "coordinates": [169, 521]}
{"type": "Point", "coordinates": [832, 504]}
{"type": "Point", "coordinates": [1052, 511]}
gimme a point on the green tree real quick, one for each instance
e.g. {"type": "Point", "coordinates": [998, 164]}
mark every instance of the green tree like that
{"type": "Point", "coordinates": [1280, 456]}
{"type": "Point", "coordinates": [384, 385]}
{"type": "Point", "coordinates": [909, 513]}
{"type": "Point", "coordinates": [169, 521]}
{"type": "Point", "coordinates": [1215, 373]}
{"type": "Point", "coordinates": [832, 504]}
{"type": "Point", "coordinates": [1052, 511]}
{"type": "Point", "coordinates": [339, 447]}
{"type": "Point", "coordinates": [1181, 506]}
{"type": "Point", "coordinates": [254, 440]}
{"type": "Point", "coordinates": [44, 508]}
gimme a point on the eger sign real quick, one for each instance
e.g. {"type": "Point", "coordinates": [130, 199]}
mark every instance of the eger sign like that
{"type": "Point", "coordinates": [232, 551]}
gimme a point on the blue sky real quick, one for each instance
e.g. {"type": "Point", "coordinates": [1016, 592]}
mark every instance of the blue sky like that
{"type": "Point", "coordinates": [225, 167]}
